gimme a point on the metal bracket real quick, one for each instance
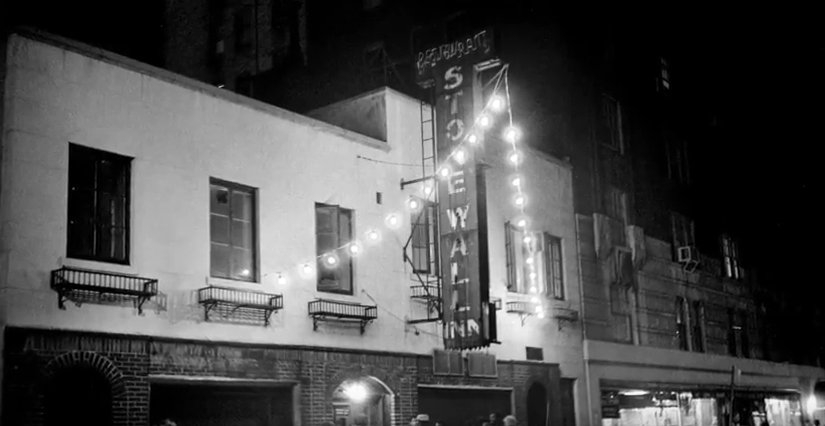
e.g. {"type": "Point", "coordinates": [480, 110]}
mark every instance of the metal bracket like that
{"type": "Point", "coordinates": [206, 308]}
{"type": "Point", "coordinates": [139, 303]}
{"type": "Point", "coordinates": [404, 183]}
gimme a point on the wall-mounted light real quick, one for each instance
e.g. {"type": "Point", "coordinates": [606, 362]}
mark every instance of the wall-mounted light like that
{"type": "Point", "coordinates": [356, 392]}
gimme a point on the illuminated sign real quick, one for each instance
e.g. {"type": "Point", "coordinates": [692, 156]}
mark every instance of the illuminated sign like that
{"type": "Point", "coordinates": [461, 194]}
{"type": "Point", "coordinates": [467, 51]}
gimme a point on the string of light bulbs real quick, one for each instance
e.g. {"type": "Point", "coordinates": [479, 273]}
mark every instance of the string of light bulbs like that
{"type": "Point", "coordinates": [471, 138]}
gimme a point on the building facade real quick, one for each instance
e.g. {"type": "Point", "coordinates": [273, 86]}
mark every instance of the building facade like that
{"type": "Point", "coordinates": [173, 250]}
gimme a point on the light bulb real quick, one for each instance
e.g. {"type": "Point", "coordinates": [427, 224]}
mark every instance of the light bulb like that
{"type": "Point", "coordinates": [539, 309]}
{"type": "Point", "coordinates": [533, 289]}
{"type": "Point", "coordinates": [512, 134]}
{"type": "Point", "coordinates": [307, 269]}
{"type": "Point", "coordinates": [533, 275]}
{"type": "Point", "coordinates": [534, 299]}
{"type": "Point", "coordinates": [472, 138]}
{"type": "Point", "coordinates": [281, 279]}
{"type": "Point", "coordinates": [514, 157]}
{"type": "Point", "coordinates": [541, 314]}
{"type": "Point", "coordinates": [393, 220]}
{"type": "Point", "coordinates": [519, 200]}
{"type": "Point", "coordinates": [354, 249]}
{"type": "Point", "coordinates": [373, 235]}
{"type": "Point", "coordinates": [529, 260]}
{"type": "Point", "coordinates": [496, 103]}
{"type": "Point", "coordinates": [427, 189]}
{"type": "Point", "coordinates": [526, 239]}
{"type": "Point", "coordinates": [460, 156]}
{"type": "Point", "coordinates": [413, 203]}
{"type": "Point", "coordinates": [485, 121]}
{"type": "Point", "coordinates": [330, 260]}
{"type": "Point", "coordinates": [444, 172]}
{"type": "Point", "coordinates": [521, 223]}
{"type": "Point", "coordinates": [516, 181]}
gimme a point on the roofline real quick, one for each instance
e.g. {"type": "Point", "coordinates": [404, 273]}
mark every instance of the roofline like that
{"type": "Point", "coordinates": [190, 83]}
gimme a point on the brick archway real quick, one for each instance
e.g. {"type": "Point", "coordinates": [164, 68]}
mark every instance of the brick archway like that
{"type": "Point", "coordinates": [103, 365]}
{"type": "Point", "coordinates": [360, 371]}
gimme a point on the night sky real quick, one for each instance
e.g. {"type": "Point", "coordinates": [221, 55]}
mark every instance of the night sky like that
{"type": "Point", "coordinates": [762, 72]}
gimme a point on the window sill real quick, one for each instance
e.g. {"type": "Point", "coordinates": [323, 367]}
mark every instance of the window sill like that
{"type": "Point", "coordinates": [97, 265]}
{"type": "Point", "coordinates": [226, 282]}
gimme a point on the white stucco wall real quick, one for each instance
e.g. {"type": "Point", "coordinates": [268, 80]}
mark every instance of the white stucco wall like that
{"type": "Point", "coordinates": [180, 134]}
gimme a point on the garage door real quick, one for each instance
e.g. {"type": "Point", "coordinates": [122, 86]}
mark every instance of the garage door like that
{"type": "Point", "coordinates": [213, 405]}
{"type": "Point", "coordinates": [458, 407]}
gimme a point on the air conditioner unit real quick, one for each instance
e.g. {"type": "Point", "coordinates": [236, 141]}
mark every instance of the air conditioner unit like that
{"type": "Point", "coordinates": [687, 254]}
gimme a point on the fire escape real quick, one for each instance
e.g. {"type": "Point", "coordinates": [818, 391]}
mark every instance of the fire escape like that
{"type": "Point", "coordinates": [421, 249]}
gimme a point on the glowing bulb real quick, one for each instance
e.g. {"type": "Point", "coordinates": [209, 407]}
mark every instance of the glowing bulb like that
{"type": "Point", "coordinates": [534, 299]}
{"type": "Point", "coordinates": [519, 200]}
{"type": "Point", "coordinates": [460, 156]}
{"type": "Point", "coordinates": [521, 223]}
{"type": "Point", "coordinates": [413, 203]}
{"type": "Point", "coordinates": [472, 138]}
{"type": "Point", "coordinates": [533, 289]}
{"type": "Point", "coordinates": [526, 239]}
{"type": "Point", "coordinates": [393, 220]}
{"type": "Point", "coordinates": [444, 172]}
{"type": "Point", "coordinates": [529, 260]}
{"type": "Point", "coordinates": [373, 235]}
{"type": "Point", "coordinates": [485, 120]}
{"type": "Point", "coordinates": [281, 279]}
{"type": "Point", "coordinates": [514, 157]}
{"type": "Point", "coordinates": [356, 392]}
{"type": "Point", "coordinates": [512, 134]}
{"type": "Point", "coordinates": [541, 314]}
{"type": "Point", "coordinates": [330, 260]}
{"type": "Point", "coordinates": [245, 272]}
{"type": "Point", "coordinates": [516, 181]}
{"type": "Point", "coordinates": [533, 275]}
{"type": "Point", "coordinates": [539, 309]}
{"type": "Point", "coordinates": [307, 269]}
{"type": "Point", "coordinates": [354, 249]}
{"type": "Point", "coordinates": [427, 189]}
{"type": "Point", "coordinates": [496, 103]}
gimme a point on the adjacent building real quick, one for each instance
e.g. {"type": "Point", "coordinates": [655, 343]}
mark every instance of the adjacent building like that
{"type": "Point", "coordinates": [174, 250]}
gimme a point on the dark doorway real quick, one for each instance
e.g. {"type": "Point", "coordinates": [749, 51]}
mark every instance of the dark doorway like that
{"type": "Point", "coordinates": [457, 407]}
{"type": "Point", "coordinates": [219, 404]}
{"type": "Point", "coordinates": [537, 405]}
{"type": "Point", "coordinates": [78, 396]}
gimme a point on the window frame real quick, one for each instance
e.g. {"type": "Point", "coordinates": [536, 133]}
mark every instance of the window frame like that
{"type": "Point", "coordinates": [253, 194]}
{"type": "Point", "coordinates": [557, 292]}
{"type": "Point", "coordinates": [428, 211]}
{"type": "Point", "coordinates": [682, 226]}
{"type": "Point", "coordinates": [97, 156]}
{"type": "Point", "coordinates": [664, 74]}
{"type": "Point", "coordinates": [697, 319]}
{"type": "Point", "coordinates": [731, 258]}
{"type": "Point", "coordinates": [611, 114]}
{"type": "Point", "coordinates": [345, 258]}
{"type": "Point", "coordinates": [513, 265]}
{"type": "Point", "coordinates": [678, 161]}
{"type": "Point", "coordinates": [682, 332]}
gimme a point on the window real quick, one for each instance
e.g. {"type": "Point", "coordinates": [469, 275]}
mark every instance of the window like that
{"type": "Point", "coordinates": [524, 261]}
{"type": "Point", "coordinates": [678, 167]}
{"type": "Point", "coordinates": [744, 342]}
{"type": "Point", "coordinates": [553, 266]}
{"type": "Point", "coordinates": [333, 230]}
{"type": "Point", "coordinates": [534, 354]}
{"type": "Point", "coordinates": [681, 324]}
{"type": "Point", "coordinates": [734, 330]}
{"type": "Point", "coordinates": [697, 318]}
{"type": "Point", "coordinates": [243, 28]}
{"type": "Point", "coordinates": [616, 208]}
{"type": "Point", "coordinates": [683, 231]}
{"type": "Point", "coordinates": [232, 230]}
{"type": "Point", "coordinates": [612, 123]}
{"type": "Point", "coordinates": [423, 238]}
{"type": "Point", "coordinates": [664, 75]}
{"type": "Point", "coordinates": [98, 205]}
{"type": "Point", "coordinates": [730, 254]}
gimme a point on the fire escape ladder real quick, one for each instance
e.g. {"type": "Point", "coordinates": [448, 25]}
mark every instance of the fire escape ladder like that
{"type": "Point", "coordinates": [428, 289]}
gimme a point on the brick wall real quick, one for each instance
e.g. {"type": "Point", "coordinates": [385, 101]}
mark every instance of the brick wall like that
{"type": "Point", "coordinates": [130, 364]}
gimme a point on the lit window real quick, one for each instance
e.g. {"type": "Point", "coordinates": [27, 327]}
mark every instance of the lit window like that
{"type": "Point", "coordinates": [333, 230]}
{"type": "Point", "coordinates": [524, 261]}
{"type": "Point", "coordinates": [232, 230]}
{"type": "Point", "coordinates": [98, 207]}
{"type": "Point", "coordinates": [664, 74]}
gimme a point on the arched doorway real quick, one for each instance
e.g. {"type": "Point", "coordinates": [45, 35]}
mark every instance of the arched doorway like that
{"type": "Point", "coordinates": [364, 401]}
{"type": "Point", "coordinates": [537, 405]}
{"type": "Point", "coordinates": [78, 395]}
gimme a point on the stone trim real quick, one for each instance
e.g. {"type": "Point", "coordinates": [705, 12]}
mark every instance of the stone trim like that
{"type": "Point", "coordinates": [87, 359]}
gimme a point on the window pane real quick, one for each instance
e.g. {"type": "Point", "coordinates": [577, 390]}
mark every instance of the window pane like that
{"type": "Point", "coordinates": [345, 226]}
{"type": "Point", "coordinates": [241, 205]}
{"type": "Point", "coordinates": [81, 206]}
{"type": "Point", "coordinates": [219, 200]}
{"type": "Point", "coordinates": [219, 260]}
{"type": "Point", "coordinates": [118, 244]}
{"type": "Point", "coordinates": [81, 168]}
{"type": "Point", "coordinates": [242, 266]}
{"type": "Point", "coordinates": [81, 237]}
{"type": "Point", "coordinates": [326, 219]}
{"type": "Point", "coordinates": [242, 234]}
{"type": "Point", "coordinates": [219, 229]}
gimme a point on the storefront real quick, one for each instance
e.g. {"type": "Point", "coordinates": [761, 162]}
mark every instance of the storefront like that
{"type": "Point", "coordinates": [685, 406]}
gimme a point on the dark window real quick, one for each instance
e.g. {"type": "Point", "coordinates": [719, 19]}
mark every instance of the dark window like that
{"type": "Point", "coordinates": [243, 28]}
{"type": "Point", "coordinates": [553, 267]}
{"type": "Point", "coordinates": [423, 238]}
{"type": "Point", "coordinates": [678, 165]}
{"type": "Point", "coordinates": [730, 254]}
{"type": "Point", "coordinates": [535, 354]}
{"type": "Point", "coordinates": [744, 342]}
{"type": "Point", "coordinates": [683, 232]}
{"type": "Point", "coordinates": [333, 232]}
{"type": "Point", "coordinates": [697, 318]}
{"type": "Point", "coordinates": [664, 74]}
{"type": "Point", "coordinates": [232, 230]}
{"type": "Point", "coordinates": [733, 333]}
{"type": "Point", "coordinates": [612, 123]}
{"type": "Point", "coordinates": [681, 324]}
{"type": "Point", "coordinates": [98, 207]}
